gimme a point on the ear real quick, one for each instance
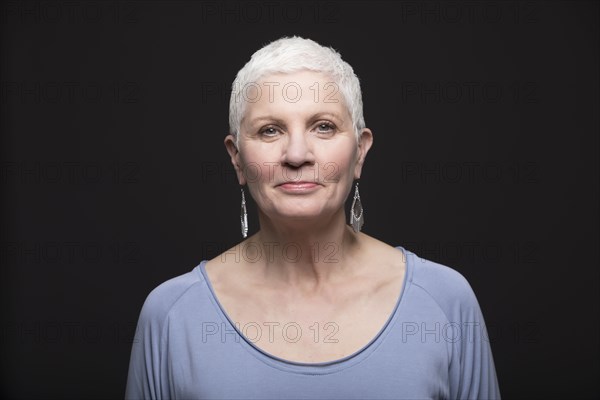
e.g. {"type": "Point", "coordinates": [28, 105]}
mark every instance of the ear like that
{"type": "Point", "coordinates": [365, 141]}
{"type": "Point", "coordinates": [236, 161]}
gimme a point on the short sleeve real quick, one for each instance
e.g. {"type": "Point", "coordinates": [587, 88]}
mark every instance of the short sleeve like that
{"type": "Point", "coordinates": [149, 374]}
{"type": "Point", "coordinates": [473, 374]}
{"type": "Point", "coordinates": [146, 379]}
{"type": "Point", "coordinates": [145, 364]}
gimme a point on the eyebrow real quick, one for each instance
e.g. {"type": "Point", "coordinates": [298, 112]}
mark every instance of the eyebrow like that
{"type": "Point", "coordinates": [313, 117]}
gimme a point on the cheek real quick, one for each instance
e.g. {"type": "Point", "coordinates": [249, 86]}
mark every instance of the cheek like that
{"type": "Point", "coordinates": [337, 167]}
{"type": "Point", "coordinates": [253, 168]}
{"type": "Point", "coordinates": [252, 173]}
{"type": "Point", "coordinates": [332, 171]}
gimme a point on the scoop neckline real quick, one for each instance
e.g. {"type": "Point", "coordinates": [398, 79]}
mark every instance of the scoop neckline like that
{"type": "Point", "coordinates": [320, 367]}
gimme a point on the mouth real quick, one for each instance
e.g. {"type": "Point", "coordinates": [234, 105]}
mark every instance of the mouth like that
{"type": "Point", "coordinates": [299, 186]}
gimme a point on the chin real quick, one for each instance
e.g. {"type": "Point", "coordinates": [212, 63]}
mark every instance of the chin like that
{"type": "Point", "coordinates": [301, 214]}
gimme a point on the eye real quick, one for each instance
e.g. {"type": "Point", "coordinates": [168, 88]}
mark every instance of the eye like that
{"type": "Point", "coordinates": [269, 131]}
{"type": "Point", "coordinates": [325, 127]}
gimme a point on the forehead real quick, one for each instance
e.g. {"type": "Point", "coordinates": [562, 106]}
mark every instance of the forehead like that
{"type": "Point", "coordinates": [302, 93]}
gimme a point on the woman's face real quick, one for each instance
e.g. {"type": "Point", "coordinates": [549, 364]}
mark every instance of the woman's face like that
{"type": "Point", "coordinates": [297, 147]}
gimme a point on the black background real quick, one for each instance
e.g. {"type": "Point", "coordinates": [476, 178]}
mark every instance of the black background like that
{"type": "Point", "coordinates": [115, 177]}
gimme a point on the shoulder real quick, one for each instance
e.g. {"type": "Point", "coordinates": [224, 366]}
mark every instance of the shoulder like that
{"type": "Point", "coordinates": [445, 285]}
{"type": "Point", "coordinates": [163, 298]}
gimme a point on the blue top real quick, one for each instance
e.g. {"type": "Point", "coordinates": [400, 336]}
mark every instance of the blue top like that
{"type": "Point", "coordinates": [433, 346]}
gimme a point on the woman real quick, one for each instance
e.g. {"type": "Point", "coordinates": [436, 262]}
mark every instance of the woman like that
{"type": "Point", "coordinates": [308, 307]}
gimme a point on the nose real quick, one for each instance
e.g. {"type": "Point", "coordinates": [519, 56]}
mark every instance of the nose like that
{"type": "Point", "coordinates": [298, 149]}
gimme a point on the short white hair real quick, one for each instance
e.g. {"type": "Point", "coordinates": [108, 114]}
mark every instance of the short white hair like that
{"type": "Point", "coordinates": [293, 54]}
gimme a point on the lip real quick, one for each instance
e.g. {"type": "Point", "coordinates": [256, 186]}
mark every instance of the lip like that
{"type": "Point", "coordinates": [298, 186]}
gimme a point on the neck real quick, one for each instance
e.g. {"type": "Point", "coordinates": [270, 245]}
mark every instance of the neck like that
{"type": "Point", "coordinates": [306, 256]}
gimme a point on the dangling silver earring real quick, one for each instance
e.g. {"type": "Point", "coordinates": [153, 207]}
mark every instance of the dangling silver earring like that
{"type": "Point", "coordinates": [357, 218]}
{"type": "Point", "coordinates": [244, 216]}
